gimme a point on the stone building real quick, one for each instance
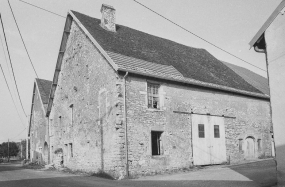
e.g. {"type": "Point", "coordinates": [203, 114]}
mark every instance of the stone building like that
{"type": "Point", "coordinates": [269, 40]}
{"type": "Point", "coordinates": [129, 103]}
{"type": "Point", "coordinates": [38, 123]}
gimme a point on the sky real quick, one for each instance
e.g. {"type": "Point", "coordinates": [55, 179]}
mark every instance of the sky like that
{"type": "Point", "coordinates": [229, 24]}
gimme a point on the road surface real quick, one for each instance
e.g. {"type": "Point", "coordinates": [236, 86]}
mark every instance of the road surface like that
{"type": "Point", "coordinates": [254, 174]}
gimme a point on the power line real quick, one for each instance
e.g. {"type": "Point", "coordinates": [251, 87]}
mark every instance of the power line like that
{"type": "Point", "coordinates": [11, 95]}
{"type": "Point", "coordinates": [12, 65]}
{"type": "Point", "coordinates": [8, 85]}
{"type": "Point", "coordinates": [198, 36]}
{"type": "Point", "coordinates": [172, 23]}
{"type": "Point", "coordinates": [25, 45]}
{"type": "Point", "coordinates": [42, 9]}
{"type": "Point", "coordinates": [20, 133]}
{"type": "Point", "coordinates": [6, 59]}
{"type": "Point", "coordinates": [22, 39]}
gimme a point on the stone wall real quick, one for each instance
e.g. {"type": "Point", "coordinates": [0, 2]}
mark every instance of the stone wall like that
{"type": "Point", "coordinates": [38, 131]}
{"type": "Point", "coordinates": [88, 116]}
{"type": "Point", "coordinates": [252, 118]}
{"type": "Point", "coordinates": [87, 109]}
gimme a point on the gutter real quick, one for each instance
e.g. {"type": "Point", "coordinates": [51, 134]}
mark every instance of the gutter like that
{"type": "Point", "coordinates": [259, 50]}
{"type": "Point", "coordinates": [126, 126]}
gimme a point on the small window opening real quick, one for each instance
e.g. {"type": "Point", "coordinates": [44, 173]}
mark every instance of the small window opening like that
{"type": "Point", "coordinates": [59, 121]}
{"type": "Point", "coordinates": [259, 144]}
{"type": "Point", "coordinates": [65, 150]}
{"type": "Point", "coordinates": [216, 131]}
{"type": "Point", "coordinates": [71, 114]}
{"type": "Point", "coordinates": [153, 96]}
{"type": "Point", "coordinates": [156, 143]}
{"type": "Point", "coordinates": [70, 150]}
{"type": "Point", "coordinates": [201, 130]}
{"type": "Point", "coordinates": [240, 145]}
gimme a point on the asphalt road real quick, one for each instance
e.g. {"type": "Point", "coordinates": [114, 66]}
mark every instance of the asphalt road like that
{"type": "Point", "coordinates": [254, 174]}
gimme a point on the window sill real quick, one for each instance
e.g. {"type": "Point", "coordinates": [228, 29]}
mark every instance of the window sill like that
{"type": "Point", "coordinates": [158, 157]}
{"type": "Point", "coordinates": [154, 110]}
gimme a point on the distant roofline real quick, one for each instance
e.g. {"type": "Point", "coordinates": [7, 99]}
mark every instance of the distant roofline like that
{"type": "Point", "coordinates": [36, 87]}
{"type": "Point", "coordinates": [267, 23]}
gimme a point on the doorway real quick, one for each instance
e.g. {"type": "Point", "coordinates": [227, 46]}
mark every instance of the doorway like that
{"type": "Point", "coordinates": [208, 140]}
{"type": "Point", "coordinates": [249, 148]}
{"type": "Point", "coordinates": [46, 153]}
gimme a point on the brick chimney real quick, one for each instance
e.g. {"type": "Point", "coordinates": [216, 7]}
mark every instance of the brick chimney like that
{"type": "Point", "coordinates": [108, 20]}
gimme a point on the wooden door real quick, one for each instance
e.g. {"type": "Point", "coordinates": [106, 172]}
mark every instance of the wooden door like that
{"type": "Point", "coordinates": [208, 140]}
{"type": "Point", "coordinates": [250, 148]}
{"type": "Point", "coordinates": [217, 139]}
{"type": "Point", "coordinates": [200, 140]}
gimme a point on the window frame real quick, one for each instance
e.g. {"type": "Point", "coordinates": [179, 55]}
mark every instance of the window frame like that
{"type": "Point", "coordinates": [158, 142]}
{"type": "Point", "coordinates": [259, 144]}
{"type": "Point", "coordinates": [70, 150]}
{"type": "Point", "coordinates": [240, 142]}
{"type": "Point", "coordinates": [219, 136]}
{"type": "Point", "coordinates": [200, 130]}
{"type": "Point", "coordinates": [153, 93]}
{"type": "Point", "coordinates": [71, 114]}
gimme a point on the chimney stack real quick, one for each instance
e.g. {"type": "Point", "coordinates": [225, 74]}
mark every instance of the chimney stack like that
{"type": "Point", "coordinates": [108, 20]}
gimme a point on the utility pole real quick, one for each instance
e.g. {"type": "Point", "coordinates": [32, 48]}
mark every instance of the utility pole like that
{"type": "Point", "coordinates": [21, 149]}
{"type": "Point", "coordinates": [8, 152]}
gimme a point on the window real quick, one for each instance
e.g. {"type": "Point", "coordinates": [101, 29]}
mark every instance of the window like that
{"type": "Point", "coordinates": [65, 150]}
{"type": "Point", "coordinates": [156, 143]}
{"type": "Point", "coordinates": [201, 130]}
{"type": "Point", "coordinates": [59, 121]}
{"type": "Point", "coordinates": [259, 144]}
{"type": "Point", "coordinates": [70, 154]}
{"type": "Point", "coordinates": [240, 145]}
{"type": "Point", "coordinates": [152, 95]}
{"type": "Point", "coordinates": [71, 114]}
{"type": "Point", "coordinates": [216, 131]}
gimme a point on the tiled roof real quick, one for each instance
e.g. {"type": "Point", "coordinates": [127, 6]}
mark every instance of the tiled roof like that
{"type": "Point", "coordinates": [125, 62]}
{"type": "Point", "coordinates": [44, 89]}
{"type": "Point", "coordinates": [191, 63]}
{"type": "Point", "coordinates": [259, 82]}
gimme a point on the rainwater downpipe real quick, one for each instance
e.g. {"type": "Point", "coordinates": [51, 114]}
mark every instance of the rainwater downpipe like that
{"type": "Point", "coordinates": [126, 130]}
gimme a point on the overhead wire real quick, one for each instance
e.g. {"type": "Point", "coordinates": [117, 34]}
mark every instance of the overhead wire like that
{"type": "Point", "coordinates": [6, 61]}
{"type": "Point", "coordinates": [43, 9]}
{"type": "Point", "coordinates": [20, 133]}
{"type": "Point", "coordinates": [229, 53]}
{"type": "Point", "coordinates": [12, 66]}
{"type": "Point", "coordinates": [7, 82]}
{"type": "Point", "coordinates": [25, 46]}
{"type": "Point", "coordinates": [22, 38]}
{"type": "Point", "coordinates": [11, 95]}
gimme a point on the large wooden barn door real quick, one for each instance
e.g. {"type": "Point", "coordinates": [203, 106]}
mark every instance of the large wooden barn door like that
{"type": "Point", "coordinates": [200, 140]}
{"type": "Point", "coordinates": [218, 140]}
{"type": "Point", "coordinates": [208, 140]}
